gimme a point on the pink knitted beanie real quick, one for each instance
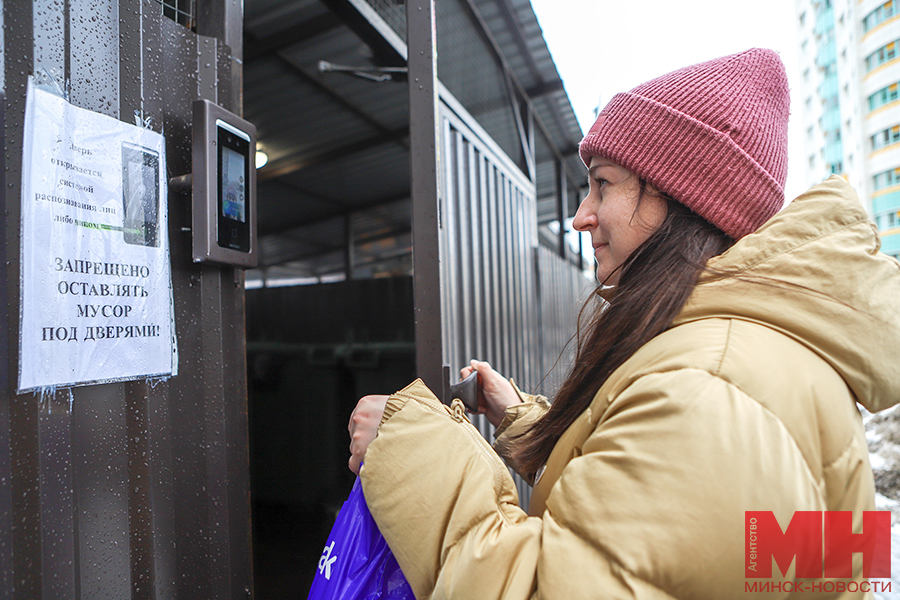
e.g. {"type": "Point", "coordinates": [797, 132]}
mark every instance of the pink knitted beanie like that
{"type": "Point", "coordinates": [713, 136]}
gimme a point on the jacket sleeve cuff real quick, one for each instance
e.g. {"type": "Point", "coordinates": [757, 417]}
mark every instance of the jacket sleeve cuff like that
{"type": "Point", "coordinates": [394, 404]}
{"type": "Point", "coordinates": [416, 391]}
{"type": "Point", "coordinates": [513, 414]}
{"type": "Point", "coordinates": [526, 397]}
{"type": "Point", "coordinates": [532, 408]}
{"type": "Point", "coordinates": [517, 420]}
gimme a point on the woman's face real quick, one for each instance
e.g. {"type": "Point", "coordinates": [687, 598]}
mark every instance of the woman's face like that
{"type": "Point", "coordinates": [615, 215]}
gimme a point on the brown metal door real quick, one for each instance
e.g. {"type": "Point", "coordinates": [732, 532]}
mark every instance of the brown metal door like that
{"type": "Point", "coordinates": [137, 489]}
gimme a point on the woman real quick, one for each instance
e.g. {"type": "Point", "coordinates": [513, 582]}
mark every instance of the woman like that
{"type": "Point", "coordinates": [718, 376]}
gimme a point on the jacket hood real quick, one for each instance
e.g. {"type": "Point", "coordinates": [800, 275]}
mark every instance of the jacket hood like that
{"type": "Point", "coordinates": [814, 272]}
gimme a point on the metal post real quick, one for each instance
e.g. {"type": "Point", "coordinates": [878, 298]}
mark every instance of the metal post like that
{"type": "Point", "coordinates": [580, 251]}
{"type": "Point", "coordinates": [6, 504]}
{"type": "Point", "coordinates": [562, 189]}
{"type": "Point", "coordinates": [424, 135]}
{"type": "Point", "coordinates": [582, 263]}
{"type": "Point", "coordinates": [348, 246]}
{"type": "Point", "coordinates": [20, 557]}
{"type": "Point", "coordinates": [224, 20]}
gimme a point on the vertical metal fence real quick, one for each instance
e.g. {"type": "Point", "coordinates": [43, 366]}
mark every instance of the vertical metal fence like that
{"type": "Point", "coordinates": [504, 299]}
{"type": "Point", "coordinates": [562, 290]}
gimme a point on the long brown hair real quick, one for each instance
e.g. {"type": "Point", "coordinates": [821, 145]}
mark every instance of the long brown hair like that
{"type": "Point", "coordinates": [654, 284]}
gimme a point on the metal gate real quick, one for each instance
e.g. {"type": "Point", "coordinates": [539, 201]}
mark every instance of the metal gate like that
{"type": "Point", "coordinates": [504, 298]}
{"type": "Point", "coordinates": [482, 286]}
{"type": "Point", "coordinates": [489, 238]}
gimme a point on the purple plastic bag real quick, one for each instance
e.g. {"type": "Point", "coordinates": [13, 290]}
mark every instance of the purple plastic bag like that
{"type": "Point", "coordinates": [356, 563]}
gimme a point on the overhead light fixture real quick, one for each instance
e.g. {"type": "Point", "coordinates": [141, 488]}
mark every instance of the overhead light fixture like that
{"type": "Point", "coordinates": [261, 159]}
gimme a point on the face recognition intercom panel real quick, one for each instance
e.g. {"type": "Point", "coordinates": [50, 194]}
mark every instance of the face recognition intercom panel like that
{"type": "Point", "coordinates": [224, 182]}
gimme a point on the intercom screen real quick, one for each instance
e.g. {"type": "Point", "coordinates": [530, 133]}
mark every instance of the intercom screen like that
{"type": "Point", "coordinates": [234, 205]}
{"type": "Point", "coordinates": [233, 214]}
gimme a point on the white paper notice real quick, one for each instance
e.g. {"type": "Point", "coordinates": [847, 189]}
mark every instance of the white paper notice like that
{"type": "Point", "coordinates": [96, 282]}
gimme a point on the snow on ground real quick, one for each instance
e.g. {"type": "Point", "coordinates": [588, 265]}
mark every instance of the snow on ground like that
{"type": "Point", "coordinates": [883, 435]}
{"type": "Point", "coordinates": [895, 565]}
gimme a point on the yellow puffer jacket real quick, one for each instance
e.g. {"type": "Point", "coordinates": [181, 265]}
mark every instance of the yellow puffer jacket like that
{"type": "Point", "coordinates": [745, 403]}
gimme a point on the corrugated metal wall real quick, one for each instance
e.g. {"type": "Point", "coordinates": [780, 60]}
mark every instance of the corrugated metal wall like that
{"type": "Point", "coordinates": [128, 490]}
{"type": "Point", "coordinates": [504, 299]}
{"type": "Point", "coordinates": [562, 292]}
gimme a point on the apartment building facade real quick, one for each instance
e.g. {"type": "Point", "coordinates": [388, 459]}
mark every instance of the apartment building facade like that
{"type": "Point", "coordinates": [850, 89]}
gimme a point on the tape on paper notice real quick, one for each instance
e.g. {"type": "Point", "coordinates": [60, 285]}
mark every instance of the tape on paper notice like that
{"type": "Point", "coordinates": [96, 303]}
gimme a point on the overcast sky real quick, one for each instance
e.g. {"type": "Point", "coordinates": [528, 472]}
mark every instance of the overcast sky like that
{"type": "Point", "coordinates": [602, 47]}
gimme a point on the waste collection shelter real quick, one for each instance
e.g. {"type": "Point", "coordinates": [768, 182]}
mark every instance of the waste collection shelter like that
{"type": "Point", "coordinates": [411, 216]}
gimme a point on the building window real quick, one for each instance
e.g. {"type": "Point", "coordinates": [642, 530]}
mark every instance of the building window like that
{"type": "Point", "coordinates": [879, 15]}
{"type": "Point", "coordinates": [882, 55]}
{"type": "Point", "coordinates": [885, 138]}
{"type": "Point", "coordinates": [884, 96]}
{"type": "Point", "coordinates": [886, 179]}
{"type": "Point", "coordinates": [887, 220]}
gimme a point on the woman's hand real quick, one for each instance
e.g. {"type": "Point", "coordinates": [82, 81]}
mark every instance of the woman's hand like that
{"type": "Point", "coordinates": [363, 427]}
{"type": "Point", "coordinates": [495, 392]}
